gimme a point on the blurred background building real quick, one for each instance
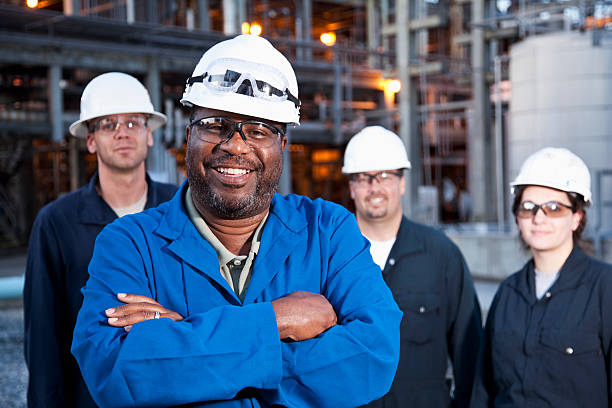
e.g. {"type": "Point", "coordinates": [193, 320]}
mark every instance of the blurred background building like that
{"type": "Point", "coordinates": [482, 83]}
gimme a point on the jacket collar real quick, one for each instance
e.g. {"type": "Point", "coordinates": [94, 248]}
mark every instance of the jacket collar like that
{"type": "Point", "coordinates": [92, 209]}
{"type": "Point", "coordinates": [174, 220]}
{"type": "Point", "coordinates": [571, 275]}
{"type": "Point", "coordinates": [173, 223]}
{"type": "Point", "coordinates": [407, 241]}
{"type": "Point", "coordinates": [189, 245]}
{"type": "Point", "coordinates": [282, 232]}
{"type": "Point", "coordinates": [153, 193]}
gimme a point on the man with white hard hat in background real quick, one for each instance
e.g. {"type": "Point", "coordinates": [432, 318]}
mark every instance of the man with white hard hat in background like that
{"type": "Point", "coordinates": [231, 295]}
{"type": "Point", "coordinates": [117, 119]}
{"type": "Point", "coordinates": [426, 273]}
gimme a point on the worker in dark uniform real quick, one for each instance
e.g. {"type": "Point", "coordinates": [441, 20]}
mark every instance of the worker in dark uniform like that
{"type": "Point", "coordinates": [426, 273]}
{"type": "Point", "coordinates": [117, 119]}
{"type": "Point", "coordinates": [548, 337]}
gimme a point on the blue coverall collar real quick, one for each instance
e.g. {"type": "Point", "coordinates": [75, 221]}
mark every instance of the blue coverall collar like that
{"type": "Point", "coordinates": [282, 232]}
{"type": "Point", "coordinates": [173, 223]}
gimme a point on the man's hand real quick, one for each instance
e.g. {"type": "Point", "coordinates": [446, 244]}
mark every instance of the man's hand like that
{"type": "Point", "coordinates": [303, 315]}
{"type": "Point", "coordinates": [137, 309]}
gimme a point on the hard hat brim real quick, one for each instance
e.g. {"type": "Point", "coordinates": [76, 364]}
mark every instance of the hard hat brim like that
{"type": "Point", "coordinates": [79, 129]}
{"type": "Point", "coordinates": [586, 195]}
{"type": "Point", "coordinates": [371, 167]}
{"type": "Point", "coordinates": [282, 112]}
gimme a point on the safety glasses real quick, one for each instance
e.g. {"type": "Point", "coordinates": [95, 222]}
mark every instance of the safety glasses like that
{"type": "Point", "coordinates": [553, 209]}
{"type": "Point", "coordinates": [384, 178]}
{"type": "Point", "coordinates": [109, 126]}
{"type": "Point", "coordinates": [243, 84]}
{"type": "Point", "coordinates": [219, 129]}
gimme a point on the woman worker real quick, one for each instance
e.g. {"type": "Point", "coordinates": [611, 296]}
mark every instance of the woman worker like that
{"type": "Point", "coordinates": [548, 336]}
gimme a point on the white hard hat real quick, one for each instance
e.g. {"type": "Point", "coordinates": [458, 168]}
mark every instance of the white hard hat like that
{"type": "Point", "coordinates": [374, 149]}
{"type": "Point", "coordinates": [557, 168]}
{"type": "Point", "coordinates": [248, 76]}
{"type": "Point", "coordinates": [114, 93]}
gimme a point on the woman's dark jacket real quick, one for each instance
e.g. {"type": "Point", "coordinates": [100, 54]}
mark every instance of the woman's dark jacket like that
{"type": "Point", "coordinates": [552, 352]}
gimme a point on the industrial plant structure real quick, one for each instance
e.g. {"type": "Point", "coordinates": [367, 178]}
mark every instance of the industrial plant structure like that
{"type": "Point", "coordinates": [483, 84]}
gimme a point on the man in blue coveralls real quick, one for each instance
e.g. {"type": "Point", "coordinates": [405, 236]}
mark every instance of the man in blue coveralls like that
{"type": "Point", "coordinates": [231, 295]}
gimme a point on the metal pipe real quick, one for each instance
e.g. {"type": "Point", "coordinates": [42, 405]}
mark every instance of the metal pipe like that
{"type": "Point", "coordinates": [130, 11]}
{"type": "Point", "coordinates": [11, 287]}
{"type": "Point", "coordinates": [55, 103]}
{"type": "Point", "coordinates": [337, 104]}
{"type": "Point", "coordinates": [499, 165]}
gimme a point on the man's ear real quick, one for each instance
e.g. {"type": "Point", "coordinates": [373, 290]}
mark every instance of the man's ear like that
{"type": "Point", "coordinates": [351, 191]}
{"type": "Point", "coordinates": [149, 137]}
{"type": "Point", "coordinates": [284, 142]}
{"type": "Point", "coordinates": [91, 143]}
{"type": "Point", "coordinates": [187, 134]}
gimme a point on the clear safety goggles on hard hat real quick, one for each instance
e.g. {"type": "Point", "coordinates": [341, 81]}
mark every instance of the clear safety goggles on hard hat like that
{"type": "Point", "coordinates": [243, 84]}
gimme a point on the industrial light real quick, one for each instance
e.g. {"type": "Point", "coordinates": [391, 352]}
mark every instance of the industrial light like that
{"type": "Point", "coordinates": [392, 85]}
{"type": "Point", "coordinates": [328, 39]}
{"type": "Point", "coordinates": [255, 29]}
{"type": "Point", "coordinates": [32, 3]}
{"type": "Point", "coordinates": [245, 28]}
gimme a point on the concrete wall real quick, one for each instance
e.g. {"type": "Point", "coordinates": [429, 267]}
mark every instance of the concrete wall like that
{"type": "Point", "coordinates": [491, 256]}
{"type": "Point", "coordinates": [561, 96]}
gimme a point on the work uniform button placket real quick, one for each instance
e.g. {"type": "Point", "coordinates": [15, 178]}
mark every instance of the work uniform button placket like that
{"type": "Point", "coordinates": [531, 344]}
{"type": "Point", "coordinates": [531, 336]}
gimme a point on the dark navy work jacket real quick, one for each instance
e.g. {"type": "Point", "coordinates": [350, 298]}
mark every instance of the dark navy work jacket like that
{"type": "Point", "coordinates": [552, 352]}
{"type": "Point", "coordinates": [433, 287]}
{"type": "Point", "coordinates": [60, 247]}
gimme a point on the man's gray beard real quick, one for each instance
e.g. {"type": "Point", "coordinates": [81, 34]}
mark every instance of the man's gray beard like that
{"type": "Point", "coordinates": [243, 207]}
{"type": "Point", "coordinates": [246, 206]}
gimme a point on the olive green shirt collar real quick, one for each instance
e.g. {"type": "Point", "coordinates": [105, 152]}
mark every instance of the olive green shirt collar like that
{"type": "Point", "coordinates": [225, 256]}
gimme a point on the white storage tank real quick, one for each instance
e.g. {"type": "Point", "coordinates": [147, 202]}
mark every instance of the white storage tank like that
{"type": "Point", "coordinates": [562, 96]}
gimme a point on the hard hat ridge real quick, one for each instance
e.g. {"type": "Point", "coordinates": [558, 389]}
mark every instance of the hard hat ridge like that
{"type": "Point", "coordinates": [375, 148]}
{"type": "Point", "coordinates": [114, 93]}
{"type": "Point", "coordinates": [245, 75]}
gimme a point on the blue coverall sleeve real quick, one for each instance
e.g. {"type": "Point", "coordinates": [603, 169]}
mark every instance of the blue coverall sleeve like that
{"type": "Point", "coordinates": [208, 356]}
{"type": "Point", "coordinates": [355, 361]}
{"type": "Point", "coordinates": [45, 313]}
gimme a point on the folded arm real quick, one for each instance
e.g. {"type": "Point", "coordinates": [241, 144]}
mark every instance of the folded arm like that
{"type": "Point", "coordinates": [229, 348]}
{"type": "Point", "coordinates": [354, 362]}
